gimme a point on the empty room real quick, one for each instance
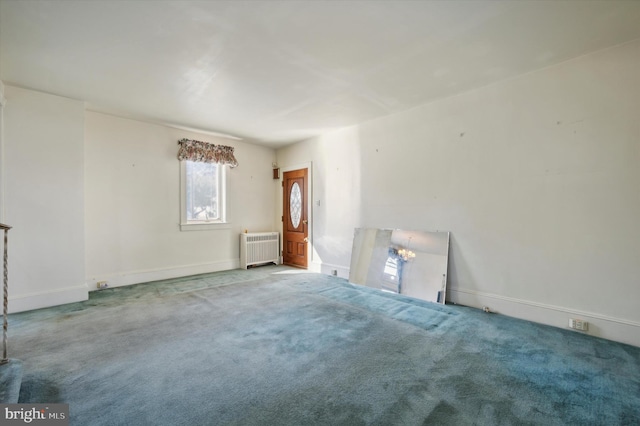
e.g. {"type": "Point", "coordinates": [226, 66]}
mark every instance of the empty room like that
{"type": "Point", "coordinates": [320, 212]}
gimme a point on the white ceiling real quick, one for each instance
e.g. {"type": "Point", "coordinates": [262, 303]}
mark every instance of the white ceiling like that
{"type": "Point", "coordinates": [276, 72]}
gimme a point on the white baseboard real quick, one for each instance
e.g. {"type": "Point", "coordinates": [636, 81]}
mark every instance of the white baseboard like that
{"type": "Point", "coordinates": [137, 277]}
{"type": "Point", "coordinates": [604, 326]}
{"type": "Point", "coordinates": [314, 266]}
{"type": "Point", "coordinates": [45, 299]}
{"type": "Point", "coordinates": [328, 268]}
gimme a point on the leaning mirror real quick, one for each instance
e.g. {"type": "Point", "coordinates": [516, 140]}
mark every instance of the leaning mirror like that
{"type": "Point", "coordinates": [412, 263]}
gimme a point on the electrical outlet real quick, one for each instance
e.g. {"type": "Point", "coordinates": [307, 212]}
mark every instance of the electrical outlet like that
{"type": "Point", "coordinates": [102, 284]}
{"type": "Point", "coordinates": [578, 324]}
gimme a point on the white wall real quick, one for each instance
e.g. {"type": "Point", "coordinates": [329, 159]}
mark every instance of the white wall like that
{"type": "Point", "coordinates": [44, 198]}
{"type": "Point", "coordinates": [93, 197]}
{"type": "Point", "coordinates": [3, 101]}
{"type": "Point", "coordinates": [132, 207]}
{"type": "Point", "coordinates": [537, 178]}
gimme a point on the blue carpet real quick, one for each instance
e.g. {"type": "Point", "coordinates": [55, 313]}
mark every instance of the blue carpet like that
{"type": "Point", "coordinates": [272, 347]}
{"type": "Point", "coordinates": [10, 381]}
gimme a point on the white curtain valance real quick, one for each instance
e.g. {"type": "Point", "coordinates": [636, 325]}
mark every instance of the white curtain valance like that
{"type": "Point", "coordinates": [205, 152]}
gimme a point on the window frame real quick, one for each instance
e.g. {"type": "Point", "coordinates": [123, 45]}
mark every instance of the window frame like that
{"type": "Point", "coordinates": [201, 225]}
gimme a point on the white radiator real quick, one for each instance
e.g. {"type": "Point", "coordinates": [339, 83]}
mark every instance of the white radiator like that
{"type": "Point", "coordinates": [259, 247]}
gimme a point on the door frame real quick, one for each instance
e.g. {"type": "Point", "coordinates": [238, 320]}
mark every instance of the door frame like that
{"type": "Point", "coordinates": [311, 264]}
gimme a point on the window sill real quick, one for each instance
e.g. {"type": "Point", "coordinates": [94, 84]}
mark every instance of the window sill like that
{"type": "Point", "coordinates": [204, 226]}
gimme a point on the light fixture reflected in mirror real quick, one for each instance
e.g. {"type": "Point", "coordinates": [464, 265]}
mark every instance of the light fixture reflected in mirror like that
{"type": "Point", "coordinates": [406, 255]}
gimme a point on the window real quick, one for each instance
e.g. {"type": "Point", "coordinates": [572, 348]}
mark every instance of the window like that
{"type": "Point", "coordinates": [202, 195]}
{"type": "Point", "coordinates": [202, 191]}
{"type": "Point", "coordinates": [202, 184]}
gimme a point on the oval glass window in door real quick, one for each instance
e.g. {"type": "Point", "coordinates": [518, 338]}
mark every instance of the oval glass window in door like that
{"type": "Point", "coordinates": [295, 204]}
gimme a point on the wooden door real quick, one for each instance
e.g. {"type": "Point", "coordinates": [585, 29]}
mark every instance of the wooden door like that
{"type": "Point", "coordinates": [295, 222]}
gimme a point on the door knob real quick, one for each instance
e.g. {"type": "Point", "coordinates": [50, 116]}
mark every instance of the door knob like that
{"type": "Point", "coordinates": [305, 221]}
{"type": "Point", "coordinates": [306, 240]}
